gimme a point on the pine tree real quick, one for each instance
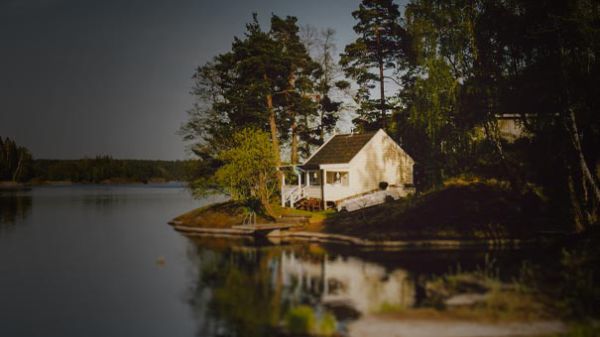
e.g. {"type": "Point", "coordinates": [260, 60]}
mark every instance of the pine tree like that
{"type": "Point", "coordinates": [376, 50]}
{"type": "Point", "coordinates": [297, 97]}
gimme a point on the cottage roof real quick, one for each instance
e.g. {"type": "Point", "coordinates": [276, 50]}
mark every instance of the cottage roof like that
{"type": "Point", "coordinates": [339, 149]}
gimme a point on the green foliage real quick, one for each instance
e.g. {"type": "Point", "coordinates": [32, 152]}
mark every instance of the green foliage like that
{"type": "Point", "coordinates": [249, 169]}
{"type": "Point", "coordinates": [327, 325]}
{"type": "Point", "coordinates": [326, 84]}
{"type": "Point", "coordinates": [301, 320]}
{"type": "Point", "coordinates": [16, 162]}
{"type": "Point", "coordinates": [267, 80]}
{"type": "Point", "coordinates": [466, 62]}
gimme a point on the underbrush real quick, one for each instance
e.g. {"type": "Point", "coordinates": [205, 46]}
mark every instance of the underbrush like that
{"type": "Point", "coordinates": [461, 210]}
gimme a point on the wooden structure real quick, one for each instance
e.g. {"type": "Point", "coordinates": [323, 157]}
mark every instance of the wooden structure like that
{"type": "Point", "coordinates": [348, 166]}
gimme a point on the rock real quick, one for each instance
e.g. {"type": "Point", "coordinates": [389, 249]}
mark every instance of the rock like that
{"type": "Point", "coordinates": [342, 310]}
{"type": "Point", "coordinates": [465, 300]}
{"type": "Point", "coordinates": [385, 327]}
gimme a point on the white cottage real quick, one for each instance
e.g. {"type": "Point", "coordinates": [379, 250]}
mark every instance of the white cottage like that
{"type": "Point", "coordinates": [347, 172]}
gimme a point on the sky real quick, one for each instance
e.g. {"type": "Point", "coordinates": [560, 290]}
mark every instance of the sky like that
{"type": "Point", "coordinates": [85, 77]}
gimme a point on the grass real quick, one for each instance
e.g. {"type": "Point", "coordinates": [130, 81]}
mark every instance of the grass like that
{"type": "Point", "coordinates": [230, 213]}
{"type": "Point", "coordinates": [220, 215]}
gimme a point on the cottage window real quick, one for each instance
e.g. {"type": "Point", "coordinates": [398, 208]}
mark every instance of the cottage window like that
{"type": "Point", "coordinates": [314, 178]}
{"type": "Point", "coordinates": [337, 177]}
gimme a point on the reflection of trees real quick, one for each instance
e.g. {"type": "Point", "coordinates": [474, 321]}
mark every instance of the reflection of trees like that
{"type": "Point", "coordinates": [245, 291]}
{"type": "Point", "coordinates": [13, 207]}
{"type": "Point", "coordinates": [242, 291]}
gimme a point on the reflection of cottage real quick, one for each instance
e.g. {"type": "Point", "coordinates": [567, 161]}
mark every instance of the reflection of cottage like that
{"type": "Point", "coordinates": [351, 171]}
{"type": "Point", "coordinates": [363, 286]}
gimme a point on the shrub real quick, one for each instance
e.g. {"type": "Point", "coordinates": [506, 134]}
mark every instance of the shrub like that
{"type": "Point", "coordinates": [301, 320]}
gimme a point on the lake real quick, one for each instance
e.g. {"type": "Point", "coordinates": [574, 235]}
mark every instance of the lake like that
{"type": "Point", "coordinates": [101, 261]}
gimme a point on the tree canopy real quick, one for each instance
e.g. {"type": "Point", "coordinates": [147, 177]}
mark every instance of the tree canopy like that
{"type": "Point", "coordinates": [376, 49]}
{"type": "Point", "coordinates": [248, 173]}
{"type": "Point", "coordinates": [16, 162]}
{"type": "Point", "coordinates": [458, 66]}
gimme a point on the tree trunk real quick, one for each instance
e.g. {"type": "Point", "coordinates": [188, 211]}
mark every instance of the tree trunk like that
{"type": "Point", "coordinates": [381, 79]}
{"type": "Point", "coordinates": [273, 127]}
{"type": "Point", "coordinates": [274, 138]}
{"type": "Point", "coordinates": [294, 144]}
{"type": "Point", "coordinates": [578, 217]}
{"type": "Point", "coordinates": [587, 211]}
{"type": "Point", "coordinates": [586, 172]}
{"type": "Point", "coordinates": [382, 93]}
{"type": "Point", "coordinates": [264, 195]}
{"type": "Point", "coordinates": [16, 173]}
{"type": "Point", "coordinates": [292, 113]}
{"type": "Point", "coordinates": [381, 83]}
{"type": "Point", "coordinates": [492, 133]}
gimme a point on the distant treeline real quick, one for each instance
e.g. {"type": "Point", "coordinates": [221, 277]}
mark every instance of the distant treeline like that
{"type": "Point", "coordinates": [17, 164]}
{"type": "Point", "coordinates": [15, 161]}
{"type": "Point", "coordinates": [107, 169]}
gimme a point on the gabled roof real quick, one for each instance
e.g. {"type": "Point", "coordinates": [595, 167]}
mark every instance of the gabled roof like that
{"type": "Point", "coordinates": [339, 149]}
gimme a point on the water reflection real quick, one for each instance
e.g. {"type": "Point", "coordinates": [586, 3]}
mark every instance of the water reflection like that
{"type": "Point", "coordinates": [244, 289]}
{"type": "Point", "coordinates": [14, 207]}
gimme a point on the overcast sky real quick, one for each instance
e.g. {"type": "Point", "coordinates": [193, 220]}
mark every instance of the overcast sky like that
{"type": "Point", "coordinates": [87, 77]}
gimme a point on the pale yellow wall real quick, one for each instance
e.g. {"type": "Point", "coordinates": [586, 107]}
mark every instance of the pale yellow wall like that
{"type": "Point", "coordinates": [380, 160]}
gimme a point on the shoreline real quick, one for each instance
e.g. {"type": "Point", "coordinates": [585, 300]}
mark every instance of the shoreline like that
{"type": "Point", "coordinates": [353, 240]}
{"type": "Point", "coordinates": [14, 186]}
{"type": "Point", "coordinates": [7, 186]}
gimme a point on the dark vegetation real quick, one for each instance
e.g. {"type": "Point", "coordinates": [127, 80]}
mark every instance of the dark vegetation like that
{"type": "Point", "coordinates": [106, 169]}
{"type": "Point", "coordinates": [16, 162]}
{"type": "Point", "coordinates": [18, 165]}
{"type": "Point", "coordinates": [471, 211]}
{"type": "Point", "coordinates": [458, 66]}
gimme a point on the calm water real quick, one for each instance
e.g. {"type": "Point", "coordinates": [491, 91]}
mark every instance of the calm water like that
{"type": "Point", "coordinates": [101, 261]}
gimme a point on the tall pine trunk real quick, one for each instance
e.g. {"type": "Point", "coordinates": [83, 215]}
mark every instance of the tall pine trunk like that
{"type": "Point", "coordinates": [274, 135]}
{"type": "Point", "coordinates": [381, 82]}
{"type": "Point", "coordinates": [292, 114]}
{"type": "Point", "coordinates": [294, 144]}
{"type": "Point", "coordinates": [587, 212]}
{"type": "Point", "coordinates": [382, 93]}
{"type": "Point", "coordinates": [273, 126]}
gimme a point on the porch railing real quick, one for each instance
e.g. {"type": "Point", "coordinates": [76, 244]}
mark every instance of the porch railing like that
{"type": "Point", "coordinates": [291, 196]}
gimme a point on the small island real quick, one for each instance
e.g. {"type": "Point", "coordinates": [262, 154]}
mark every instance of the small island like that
{"type": "Point", "coordinates": [339, 195]}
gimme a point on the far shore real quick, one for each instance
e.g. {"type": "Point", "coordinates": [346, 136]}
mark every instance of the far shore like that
{"type": "Point", "coordinates": [11, 185]}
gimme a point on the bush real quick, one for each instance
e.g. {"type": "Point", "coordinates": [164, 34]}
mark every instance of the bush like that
{"type": "Point", "coordinates": [301, 320]}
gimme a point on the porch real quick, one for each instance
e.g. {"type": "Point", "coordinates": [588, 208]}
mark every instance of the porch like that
{"type": "Point", "coordinates": [326, 186]}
